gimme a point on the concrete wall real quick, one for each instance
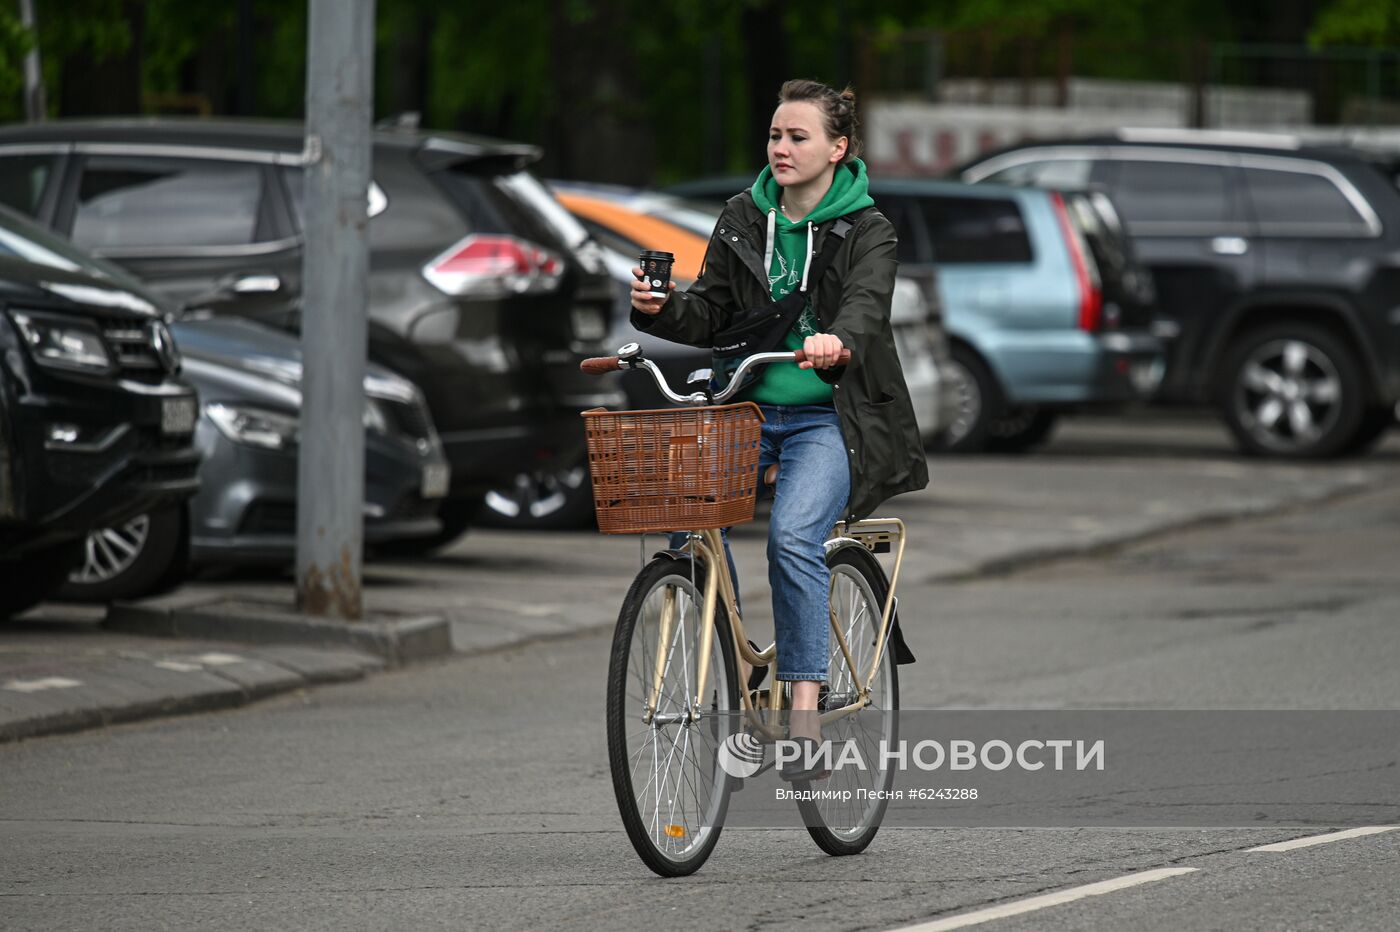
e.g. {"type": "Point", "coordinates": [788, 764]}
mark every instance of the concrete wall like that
{"type": "Point", "coordinates": [918, 137]}
{"type": "Point", "coordinates": [1225, 106]}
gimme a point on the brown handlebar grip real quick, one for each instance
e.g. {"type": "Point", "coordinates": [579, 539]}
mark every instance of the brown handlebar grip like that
{"type": "Point", "coordinates": [845, 357]}
{"type": "Point", "coordinates": [598, 365]}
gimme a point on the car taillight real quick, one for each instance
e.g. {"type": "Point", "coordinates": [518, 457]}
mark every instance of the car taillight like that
{"type": "Point", "coordinates": [1085, 273]}
{"type": "Point", "coordinates": [495, 266]}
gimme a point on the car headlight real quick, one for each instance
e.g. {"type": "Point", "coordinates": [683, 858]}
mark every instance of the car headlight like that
{"type": "Point", "coordinates": [62, 342]}
{"type": "Point", "coordinates": [376, 418]}
{"type": "Point", "coordinates": [274, 430]}
{"type": "Point", "coordinates": [256, 427]}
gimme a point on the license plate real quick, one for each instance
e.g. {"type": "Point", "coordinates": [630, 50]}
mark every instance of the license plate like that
{"type": "Point", "coordinates": [590, 324]}
{"type": "Point", "coordinates": [177, 415]}
{"type": "Point", "coordinates": [436, 478]}
{"type": "Point", "coordinates": [1146, 376]}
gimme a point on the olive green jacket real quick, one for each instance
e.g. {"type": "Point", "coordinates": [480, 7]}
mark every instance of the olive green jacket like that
{"type": "Point", "coordinates": [852, 301]}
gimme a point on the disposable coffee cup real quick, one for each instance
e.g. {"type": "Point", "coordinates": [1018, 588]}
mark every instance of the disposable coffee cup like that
{"type": "Point", "coordinates": [656, 268]}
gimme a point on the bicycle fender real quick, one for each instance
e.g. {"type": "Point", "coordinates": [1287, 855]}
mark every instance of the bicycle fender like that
{"type": "Point", "coordinates": [836, 543]}
{"type": "Point", "coordinates": [897, 645]}
{"type": "Point", "coordinates": [901, 651]}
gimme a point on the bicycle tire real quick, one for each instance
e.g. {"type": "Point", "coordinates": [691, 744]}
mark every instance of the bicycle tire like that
{"type": "Point", "coordinates": [858, 591]}
{"type": "Point", "coordinates": [679, 841]}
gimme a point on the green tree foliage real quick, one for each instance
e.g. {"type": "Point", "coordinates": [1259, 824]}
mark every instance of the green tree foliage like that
{"type": "Point", "coordinates": [684, 84]}
{"type": "Point", "coordinates": [15, 43]}
{"type": "Point", "coordinates": [1357, 22]}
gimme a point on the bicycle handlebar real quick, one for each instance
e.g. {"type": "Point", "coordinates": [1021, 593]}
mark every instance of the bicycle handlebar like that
{"type": "Point", "coordinates": [598, 365]}
{"type": "Point", "coordinates": [601, 364]}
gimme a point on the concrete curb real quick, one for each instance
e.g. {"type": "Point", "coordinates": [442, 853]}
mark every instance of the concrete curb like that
{"type": "Point", "coordinates": [132, 687]}
{"type": "Point", "coordinates": [397, 640]}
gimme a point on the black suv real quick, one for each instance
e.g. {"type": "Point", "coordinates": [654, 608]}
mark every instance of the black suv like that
{"type": "Point", "coordinates": [471, 295]}
{"type": "Point", "coordinates": [1277, 272]}
{"type": "Point", "coordinates": [94, 427]}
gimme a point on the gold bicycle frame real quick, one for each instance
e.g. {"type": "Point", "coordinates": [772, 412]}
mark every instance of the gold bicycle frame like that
{"type": "Point", "coordinates": [708, 547]}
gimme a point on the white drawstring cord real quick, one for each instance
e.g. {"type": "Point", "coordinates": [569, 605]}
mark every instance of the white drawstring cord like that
{"type": "Point", "coordinates": [768, 244]}
{"type": "Point", "coordinates": [808, 264]}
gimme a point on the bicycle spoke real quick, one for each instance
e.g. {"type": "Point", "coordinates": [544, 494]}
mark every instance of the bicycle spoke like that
{"type": "Point", "coordinates": [671, 764]}
{"type": "Point", "coordinates": [680, 775]}
{"type": "Point", "coordinates": [858, 613]}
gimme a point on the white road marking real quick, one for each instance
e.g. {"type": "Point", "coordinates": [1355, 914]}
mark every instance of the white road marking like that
{"type": "Point", "coordinates": [1330, 837]}
{"type": "Point", "coordinates": [34, 686]}
{"type": "Point", "coordinates": [1049, 899]}
{"type": "Point", "coordinates": [179, 666]}
{"type": "Point", "coordinates": [218, 660]}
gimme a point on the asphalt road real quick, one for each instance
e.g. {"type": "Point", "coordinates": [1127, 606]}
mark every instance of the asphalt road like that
{"type": "Point", "coordinates": [474, 793]}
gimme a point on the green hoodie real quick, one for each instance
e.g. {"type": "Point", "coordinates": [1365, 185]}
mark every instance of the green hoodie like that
{"type": "Point", "coordinates": [783, 383]}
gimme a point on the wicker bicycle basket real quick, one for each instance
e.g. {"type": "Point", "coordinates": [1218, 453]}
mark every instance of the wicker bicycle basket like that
{"type": "Point", "coordinates": [673, 469]}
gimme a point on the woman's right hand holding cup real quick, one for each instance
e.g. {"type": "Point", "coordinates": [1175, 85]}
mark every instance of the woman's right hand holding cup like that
{"type": "Point", "coordinates": [642, 298]}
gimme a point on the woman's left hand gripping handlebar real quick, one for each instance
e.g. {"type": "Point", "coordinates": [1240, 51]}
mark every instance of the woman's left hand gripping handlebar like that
{"type": "Point", "coordinates": [823, 351]}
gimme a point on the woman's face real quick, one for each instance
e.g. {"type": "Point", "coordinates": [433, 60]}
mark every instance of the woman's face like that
{"type": "Point", "coordinates": [799, 150]}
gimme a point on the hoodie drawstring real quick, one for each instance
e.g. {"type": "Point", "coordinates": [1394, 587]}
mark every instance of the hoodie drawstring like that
{"type": "Point", "coordinates": [807, 264]}
{"type": "Point", "coordinates": [768, 242]}
{"type": "Point", "coordinates": [768, 248]}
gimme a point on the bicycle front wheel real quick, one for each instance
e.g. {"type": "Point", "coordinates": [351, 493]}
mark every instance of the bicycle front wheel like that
{"type": "Point", "coordinates": [839, 822]}
{"type": "Point", "coordinates": [671, 791]}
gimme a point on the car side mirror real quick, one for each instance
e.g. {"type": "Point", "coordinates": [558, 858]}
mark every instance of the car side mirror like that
{"type": "Point", "coordinates": [240, 284]}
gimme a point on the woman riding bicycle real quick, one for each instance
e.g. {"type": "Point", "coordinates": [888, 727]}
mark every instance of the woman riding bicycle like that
{"type": "Point", "coordinates": [845, 436]}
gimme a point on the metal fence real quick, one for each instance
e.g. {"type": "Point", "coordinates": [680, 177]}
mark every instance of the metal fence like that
{"type": "Point", "coordinates": [1208, 84]}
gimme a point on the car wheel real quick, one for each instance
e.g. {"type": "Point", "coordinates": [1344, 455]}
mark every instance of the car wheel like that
{"type": "Point", "coordinates": [1020, 430]}
{"type": "Point", "coordinates": [135, 558]}
{"type": "Point", "coordinates": [560, 499]}
{"type": "Point", "coordinates": [35, 576]}
{"type": "Point", "coordinates": [979, 401]}
{"type": "Point", "coordinates": [1293, 391]}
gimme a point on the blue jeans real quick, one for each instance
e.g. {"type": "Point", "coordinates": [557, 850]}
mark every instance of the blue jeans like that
{"type": "Point", "coordinates": [814, 482]}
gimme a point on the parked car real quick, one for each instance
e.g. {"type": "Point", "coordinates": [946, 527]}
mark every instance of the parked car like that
{"type": "Point", "coordinates": [621, 235]}
{"type": "Point", "coordinates": [94, 425]}
{"type": "Point", "coordinates": [1034, 332]}
{"type": "Point", "coordinates": [248, 376]}
{"type": "Point", "coordinates": [1277, 271]}
{"type": "Point", "coordinates": [470, 295]}
{"type": "Point", "coordinates": [627, 221]}
{"type": "Point", "coordinates": [612, 217]}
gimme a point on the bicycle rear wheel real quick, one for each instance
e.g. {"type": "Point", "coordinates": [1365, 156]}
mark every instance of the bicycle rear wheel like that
{"type": "Point", "coordinates": [671, 791]}
{"type": "Point", "coordinates": [838, 825]}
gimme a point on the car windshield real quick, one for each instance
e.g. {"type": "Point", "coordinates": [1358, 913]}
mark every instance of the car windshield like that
{"type": "Point", "coordinates": [502, 203]}
{"type": "Point", "coordinates": [529, 190]}
{"type": "Point", "coordinates": [532, 193]}
{"type": "Point", "coordinates": [695, 216]}
{"type": "Point", "coordinates": [21, 239]}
